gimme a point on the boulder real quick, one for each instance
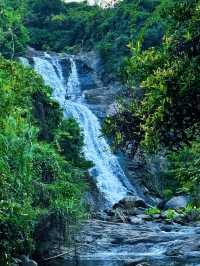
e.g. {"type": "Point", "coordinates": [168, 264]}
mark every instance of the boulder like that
{"type": "Point", "coordinates": [178, 202]}
{"type": "Point", "coordinates": [156, 216]}
{"type": "Point", "coordinates": [130, 202]}
{"type": "Point", "coordinates": [16, 262]}
{"type": "Point", "coordinates": [145, 217]}
{"type": "Point", "coordinates": [135, 220]}
{"type": "Point", "coordinates": [25, 261]}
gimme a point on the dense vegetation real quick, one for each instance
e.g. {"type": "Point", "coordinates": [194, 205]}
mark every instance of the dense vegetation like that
{"type": "Point", "coordinates": [74, 27]}
{"type": "Point", "coordinates": [13, 34]}
{"type": "Point", "coordinates": [41, 163]}
{"type": "Point", "coordinates": [39, 175]}
{"type": "Point", "coordinates": [152, 44]}
{"type": "Point", "coordinates": [166, 114]}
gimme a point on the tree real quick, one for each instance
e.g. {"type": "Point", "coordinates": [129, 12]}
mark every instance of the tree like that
{"type": "Point", "coordinates": [13, 34]}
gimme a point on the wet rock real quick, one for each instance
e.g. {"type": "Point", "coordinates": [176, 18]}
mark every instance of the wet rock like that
{"type": "Point", "coordinates": [136, 262]}
{"type": "Point", "coordinates": [131, 212]}
{"type": "Point", "coordinates": [15, 262]}
{"type": "Point", "coordinates": [174, 251]}
{"type": "Point", "coordinates": [49, 235]}
{"type": "Point", "coordinates": [134, 244]}
{"type": "Point", "coordinates": [135, 220]}
{"type": "Point", "coordinates": [85, 73]}
{"type": "Point", "coordinates": [66, 66]}
{"type": "Point", "coordinates": [180, 219]}
{"type": "Point", "coordinates": [25, 261]}
{"type": "Point", "coordinates": [177, 202]}
{"type": "Point", "coordinates": [161, 204]}
{"type": "Point", "coordinates": [130, 202]}
{"type": "Point", "coordinates": [193, 215]}
{"type": "Point", "coordinates": [118, 240]}
{"type": "Point", "coordinates": [30, 263]}
{"type": "Point", "coordinates": [156, 216]}
{"type": "Point", "coordinates": [144, 217]}
{"type": "Point", "coordinates": [110, 212]}
{"type": "Point", "coordinates": [101, 215]}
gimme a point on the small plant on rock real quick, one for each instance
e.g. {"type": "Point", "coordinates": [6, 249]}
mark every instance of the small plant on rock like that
{"type": "Point", "coordinates": [152, 211]}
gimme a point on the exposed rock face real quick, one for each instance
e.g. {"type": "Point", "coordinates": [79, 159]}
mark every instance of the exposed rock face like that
{"type": "Point", "coordinates": [177, 202]}
{"type": "Point", "coordinates": [99, 90]}
{"type": "Point", "coordinates": [86, 75]}
{"type": "Point", "coordinates": [49, 236]}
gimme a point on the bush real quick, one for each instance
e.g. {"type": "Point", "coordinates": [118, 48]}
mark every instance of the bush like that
{"type": "Point", "coordinates": [13, 34]}
{"type": "Point", "coordinates": [36, 178]}
{"type": "Point", "coordinates": [185, 167]}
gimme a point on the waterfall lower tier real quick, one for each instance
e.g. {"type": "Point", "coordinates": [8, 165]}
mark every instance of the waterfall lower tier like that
{"type": "Point", "coordinates": [107, 172]}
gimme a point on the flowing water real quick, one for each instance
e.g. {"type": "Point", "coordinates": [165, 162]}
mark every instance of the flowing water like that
{"type": "Point", "coordinates": [105, 243]}
{"type": "Point", "coordinates": [107, 172]}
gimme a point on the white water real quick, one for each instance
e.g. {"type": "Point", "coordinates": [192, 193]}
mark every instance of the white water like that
{"type": "Point", "coordinates": [107, 172]}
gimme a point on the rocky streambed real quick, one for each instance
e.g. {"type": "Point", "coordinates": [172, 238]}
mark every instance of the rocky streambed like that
{"type": "Point", "coordinates": [125, 235]}
{"type": "Point", "coordinates": [142, 243]}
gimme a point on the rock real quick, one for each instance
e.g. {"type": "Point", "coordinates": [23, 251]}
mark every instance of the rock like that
{"type": "Point", "coordinates": [139, 211]}
{"type": "Point", "coordinates": [66, 66]}
{"type": "Point", "coordinates": [161, 204]}
{"type": "Point", "coordinates": [180, 219]}
{"type": "Point", "coordinates": [118, 240]}
{"type": "Point", "coordinates": [193, 216]}
{"type": "Point", "coordinates": [136, 262]}
{"type": "Point", "coordinates": [144, 217]}
{"type": "Point", "coordinates": [110, 212]}
{"type": "Point", "coordinates": [177, 202]}
{"type": "Point", "coordinates": [156, 216]}
{"type": "Point", "coordinates": [135, 220]}
{"type": "Point", "coordinates": [101, 215]}
{"type": "Point", "coordinates": [130, 202]}
{"type": "Point", "coordinates": [31, 263]}
{"type": "Point", "coordinates": [16, 262]}
{"type": "Point", "coordinates": [25, 261]}
{"type": "Point", "coordinates": [174, 250]}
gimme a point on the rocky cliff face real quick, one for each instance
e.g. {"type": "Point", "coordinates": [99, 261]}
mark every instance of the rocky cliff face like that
{"type": "Point", "coordinates": [100, 90]}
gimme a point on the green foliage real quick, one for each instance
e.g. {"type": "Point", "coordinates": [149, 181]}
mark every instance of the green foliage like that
{"type": "Point", "coordinates": [191, 213]}
{"type": "Point", "coordinates": [169, 78]}
{"type": "Point", "coordinates": [163, 107]}
{"type": "Point", "coordinates": [75, 27]}
{"type": "Point", "coordinates": [152, 211]}
{"type": "Point", "coordinates": [13, 34]}
{"type": "Point", "coordinates": [69, 141]}
{"type": "Point", "coordinates": [36, 178]}
{"type": "Point", "coordinates": [47, 114]}
{"type": "Point", "coordinates": [170, 215]}
{"type": "Point", "coordinates": [184, 166]}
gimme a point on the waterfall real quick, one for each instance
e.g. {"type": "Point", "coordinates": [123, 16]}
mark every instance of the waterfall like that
{"type": "Point", "coordinates": [107, 172]}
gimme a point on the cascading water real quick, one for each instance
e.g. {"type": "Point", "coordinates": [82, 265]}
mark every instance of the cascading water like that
{"type": "Point", "coordinates": [109, 242]}
{"type": "Point", "coordinates": [107, 172]}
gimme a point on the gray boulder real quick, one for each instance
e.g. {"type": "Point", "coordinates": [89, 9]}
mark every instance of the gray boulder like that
{"type": "Point", "coordinates": [25, 261]}
{"type": "Point", "coordinates": [178, 202]}
{"type": "Point", "coordinates": [135, 220]}
{"type": "Point", "coordinates": [130, 202]}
